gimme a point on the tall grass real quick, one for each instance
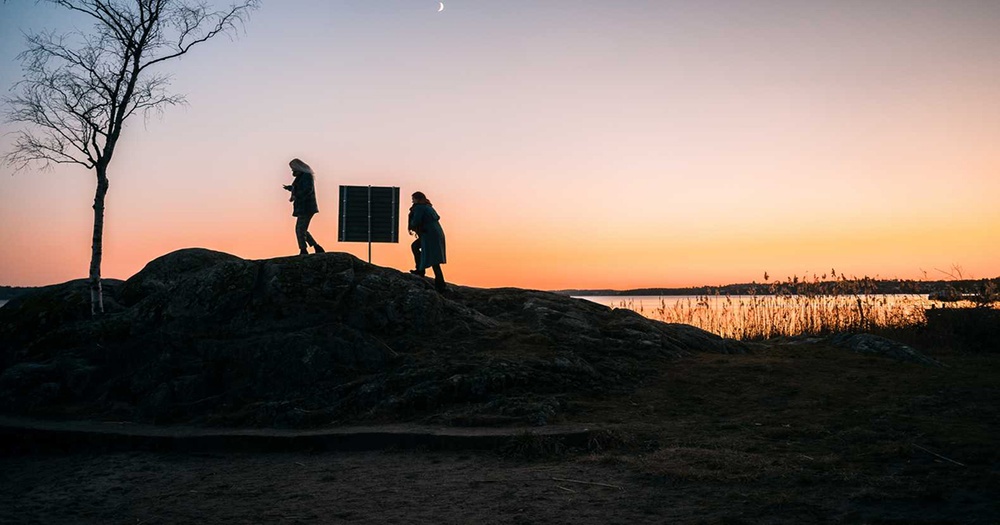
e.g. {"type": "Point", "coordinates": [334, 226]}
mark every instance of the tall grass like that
{"type": "Point", "coordinates": [795, 307]}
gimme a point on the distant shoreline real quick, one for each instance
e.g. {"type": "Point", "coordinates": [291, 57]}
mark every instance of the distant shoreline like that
{"type": "Point", "coordinates": [883, 286]}
{"type": "Point", "coordinates": [9, 292]}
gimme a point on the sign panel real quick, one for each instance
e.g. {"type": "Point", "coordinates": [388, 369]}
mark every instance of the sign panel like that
{"type": "Point", "coordinates": [369, 214]}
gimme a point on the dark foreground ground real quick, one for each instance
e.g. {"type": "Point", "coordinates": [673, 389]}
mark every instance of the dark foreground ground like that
{"type": "Point", "coordinates": [794, 433]}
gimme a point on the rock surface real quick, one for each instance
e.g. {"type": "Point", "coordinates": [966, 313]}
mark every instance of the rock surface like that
{"type": "Point", "coordinates": [880, 346]}
{"type": "Point", "coordinates": [206, 337]}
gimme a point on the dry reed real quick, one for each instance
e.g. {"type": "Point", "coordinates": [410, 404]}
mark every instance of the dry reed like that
{"type": "Point", "coordinates": [795, 307]}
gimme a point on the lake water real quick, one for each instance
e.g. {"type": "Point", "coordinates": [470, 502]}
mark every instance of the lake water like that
{"type": "Point", "coordinates": [652, 302]}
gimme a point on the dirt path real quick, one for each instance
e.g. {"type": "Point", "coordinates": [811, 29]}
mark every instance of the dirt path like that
{"type": "Point", "coordinates": [423, 487]}
{"type": "Point", "coordinates": [393, 487]}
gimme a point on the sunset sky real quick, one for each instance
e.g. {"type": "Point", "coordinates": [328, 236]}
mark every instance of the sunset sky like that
{"type": "Point", "coordinates": [565, 143]}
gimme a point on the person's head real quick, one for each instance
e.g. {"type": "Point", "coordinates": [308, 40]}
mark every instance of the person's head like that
{"type": "Point", "coordinates": [299, 167]}
{"type": "Point", "coordinates": [419, 198]}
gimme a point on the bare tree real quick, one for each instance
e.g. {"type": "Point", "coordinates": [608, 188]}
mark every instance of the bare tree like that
{"type": "Point", "coordinates": [79, 89]}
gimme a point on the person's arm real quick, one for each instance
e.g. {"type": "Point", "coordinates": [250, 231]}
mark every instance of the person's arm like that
{"type": "Point", "coordinates": [416, 219]}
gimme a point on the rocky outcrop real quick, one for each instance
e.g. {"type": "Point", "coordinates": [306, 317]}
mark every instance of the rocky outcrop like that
{"type": "Point", "coordinates": [206, 337]}
{"type": "Point", "coordinates": [879, 346]}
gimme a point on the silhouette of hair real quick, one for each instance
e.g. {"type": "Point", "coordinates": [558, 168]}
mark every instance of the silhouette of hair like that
{"type": "Point", "coordinates": [420, 198]}
{"type": "Point", "coordinates": [300, 167]}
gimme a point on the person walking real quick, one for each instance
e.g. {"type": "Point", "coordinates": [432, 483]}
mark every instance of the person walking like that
{"type": "Point", "coordinates": [304, 206]}
{"type": "Point", "coordinates": [429, 248]}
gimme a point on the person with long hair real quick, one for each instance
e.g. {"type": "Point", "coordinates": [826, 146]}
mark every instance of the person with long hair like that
{"type": "Point", "coordinates": [429, 248]}
{"type": "Point", "coordinates": [304, 206]}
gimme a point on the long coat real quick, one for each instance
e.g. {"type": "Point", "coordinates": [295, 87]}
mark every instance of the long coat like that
{"type": "Point", "coordinates": [303, 195]}
{"type": "Point", "coordinates": [426, 222]}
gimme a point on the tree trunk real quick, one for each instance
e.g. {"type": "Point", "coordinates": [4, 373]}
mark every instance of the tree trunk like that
{"type": "Point", "coordinates": [96, 295]}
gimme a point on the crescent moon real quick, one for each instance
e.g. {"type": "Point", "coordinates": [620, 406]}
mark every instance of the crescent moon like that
{"type": "Point", "coordinates": [440, 6]}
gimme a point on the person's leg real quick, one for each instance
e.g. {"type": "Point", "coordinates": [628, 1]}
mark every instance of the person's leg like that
{"type": "Point", "coordinates": [301, 230]}
{"type": "Point", "coordinates": [415, 248]}
{"type": "Point", "coordinates": [439, 284]}
{"type": "Point", "coordinates": [312, 242]}
{"type": "Point", "coordinates": [308, 238]}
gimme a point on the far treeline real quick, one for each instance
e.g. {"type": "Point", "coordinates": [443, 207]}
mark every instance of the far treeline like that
{"type": "Point", "coordinates": [10, 292]}
{"type": "Point", "coordinates": [793, 286]}
{"type": "Point", "coordinates": [803, 287]}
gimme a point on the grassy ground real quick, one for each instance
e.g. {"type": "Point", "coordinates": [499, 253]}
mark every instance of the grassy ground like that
{"type": "Point", "coordinates": [819, 432]}
{"type": "Point", "coordinates": [792, 433]}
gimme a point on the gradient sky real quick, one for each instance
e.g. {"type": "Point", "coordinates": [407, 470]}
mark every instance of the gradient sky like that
{"type": "Point", "coordinates": [565, 143]}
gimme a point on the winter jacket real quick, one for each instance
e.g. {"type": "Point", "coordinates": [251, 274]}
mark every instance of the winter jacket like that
{"type": "Point", "coordinates": [426, 222]}
{"type": "Point", "coordinates": [303, 195]}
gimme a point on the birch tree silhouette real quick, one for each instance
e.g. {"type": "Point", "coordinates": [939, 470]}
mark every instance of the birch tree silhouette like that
{"type": "Point", "coordinates": [79, 89]}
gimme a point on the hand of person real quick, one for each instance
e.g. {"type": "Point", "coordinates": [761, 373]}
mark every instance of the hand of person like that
{"type": "Point", "coordinates": [287, 187]}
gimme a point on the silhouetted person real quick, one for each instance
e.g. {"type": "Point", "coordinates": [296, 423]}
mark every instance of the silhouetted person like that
{"type": "Point", "coordinates": [304, 206]}
{"type": "Point", "coordinates": [428, 249]}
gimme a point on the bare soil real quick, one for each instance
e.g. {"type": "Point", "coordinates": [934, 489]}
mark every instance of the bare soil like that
{"type": "Point", "coordinates": [792, 433]}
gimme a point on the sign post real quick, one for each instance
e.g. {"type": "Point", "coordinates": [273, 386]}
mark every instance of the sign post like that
{"type": "Point", "coordinates": [369, 214]}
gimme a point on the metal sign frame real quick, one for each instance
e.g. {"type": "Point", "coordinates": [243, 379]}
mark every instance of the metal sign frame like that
{"type": "Point", "coordinates": [368, 214]}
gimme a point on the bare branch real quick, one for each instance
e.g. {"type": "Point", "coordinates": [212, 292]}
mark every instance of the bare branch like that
{"type": "Point", "coordinates": [189, 20]}
{"type": "Point", "coordinates": [49, 149]}
{"type": "Point", "coordinates": [80, 89]}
